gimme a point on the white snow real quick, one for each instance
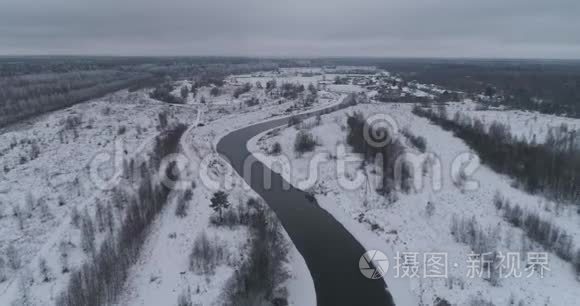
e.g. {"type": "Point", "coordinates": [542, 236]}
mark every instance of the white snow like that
{"type": "Point", "coordinates": [404, 224]}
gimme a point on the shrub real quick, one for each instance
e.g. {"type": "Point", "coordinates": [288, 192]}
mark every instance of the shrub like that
{"type": "Point", "coordinates": [430, 209]}
{"type": "Point", "coordinates": [276, 149]}
{"type": "Point", "coordinates": [374, 143]}
{"type": "Point", "coordinates": [230, 218]}
{"type": "Point", "coordinates": [87, 233]}
{"type": "Point", "coordinates": [304, 142]}
{"type": "Point", "coordinates": [205, 255]}
{"type": "Point", "coordinates": [264, 272]}
{"type": "Point", "coordinates": [14, 260]}
{"type": "Point", "coordinates": [441, 302]}
{"type": "Point", "coordinates": [499, 201]}
{"type": "Point", "coordinates": [163, 122]}
{"type": "Point", "coordinates": [577, 263]}
{"type": "Point", "coordinates": [253, 101]}
{"type": "Point", "coordinates": [468, 231]}
{"type": "Point", "coordinates": [215, 91]}
{"type": "Point", "coordinates": [183, 204]}
{"type": "Point", "coordinates": [294, 121]}
{"type": "Point", "coordinates": [184, 92]}
{"type": "Point", "coordinates": [479, 301]}
{"type": "Point", "coordinates": [241, 90]}
{"type": "Point", "coordinates": [513, 214]}
{"type": "Point", "coordinates": [184, 298]}
{"type": "Point", "coordinates": [163, 93]}
{"type": "Point", "coordinates": [34, 151]}
{"type": "Point", "coordinates": [2, 270]}
{"type": "Point", "coordinates": [418, 142]}
{"type": "Point", "coordinates": [44, 270]}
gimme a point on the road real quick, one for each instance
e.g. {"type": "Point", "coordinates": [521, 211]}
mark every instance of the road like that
{"type": "Point", "coordinates": [330, 251]}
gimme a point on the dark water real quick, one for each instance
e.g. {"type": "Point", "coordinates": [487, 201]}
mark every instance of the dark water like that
{"type": "Point", "coordinates": [330, 251]}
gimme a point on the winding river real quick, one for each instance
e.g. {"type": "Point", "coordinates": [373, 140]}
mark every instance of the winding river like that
{"type": "Point", "coordinates": [330, 251]}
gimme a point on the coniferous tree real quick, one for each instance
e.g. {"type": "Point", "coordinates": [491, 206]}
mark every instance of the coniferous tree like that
{"type": "Point", "coordinates": [220, 202]}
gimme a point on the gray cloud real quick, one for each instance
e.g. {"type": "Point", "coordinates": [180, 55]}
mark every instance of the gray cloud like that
{"type": "Point", "coordinates": [464, 28]}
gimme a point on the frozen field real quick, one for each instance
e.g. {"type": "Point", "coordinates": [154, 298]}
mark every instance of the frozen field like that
{"type": "Point", "coordinates": [529, 125]}
{"type": "Point", "coordinates": [404, 225]}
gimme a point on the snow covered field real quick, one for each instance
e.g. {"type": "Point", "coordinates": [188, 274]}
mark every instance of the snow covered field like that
{"type": "Point", "coordinates": [406, 225]}
{"type": "Point", "coordinates": [48, 175]}
{"type": "Point", "coordinates": [52, 153]}
{"type": "Point", "coordinates": [57, 154]}
{"type": "Point", "coordinates": [170, 281]}
{"type": "Point", "coordinates": [524, 124]}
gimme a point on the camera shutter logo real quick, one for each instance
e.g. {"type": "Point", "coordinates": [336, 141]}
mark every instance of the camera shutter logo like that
{"type": "Point", "coordinates": [373, 264]}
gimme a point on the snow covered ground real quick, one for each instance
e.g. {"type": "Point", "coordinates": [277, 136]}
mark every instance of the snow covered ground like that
{"type": "Point", "coordinates": [54, 153]}
{"type": "Point", "coordinates": [165, 260]}
{"type": "Point", "coordinates": [46, 174]}
{"type": "Point", "coordinates": [404, 225]}
{"type": "Point", "coordinates": [525, 124]}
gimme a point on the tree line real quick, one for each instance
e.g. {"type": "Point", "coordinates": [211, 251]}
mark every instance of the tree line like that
{"type": "Point", "coordinates": [100, 279]}
{"type": "Point", "coordinates": [29, 95]}
{"type": "Point", "coordinates": [551, 168]}
{"type": "Point", "coordinates": [384, 148]}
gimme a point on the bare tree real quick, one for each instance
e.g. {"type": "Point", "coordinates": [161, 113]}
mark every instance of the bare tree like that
{"type": "Point", "coordinates": [184, 298]}
{"type": "Point", "coordinates": [75, 217]}
{"type": "Point", "coordinates": [2, 270]}
{"type": "Point", "coordinates": [17, 211]}
{"type": "Point", "coordinates": [45, 272]}
{"type": "Point", "coordinates": [30, 204]}
{"type": "Point", "coordinates": [63, 249]}
{"type": "Point", "coordinates": [109, 218]}
{"type": "Point", "coordinates": [100, 216]}
{"type": "Point", "coordinates": [13, 257]}
{"type": "Point", "coordinates": [87, 233]}
{"type": "Point", "coordinates": [183, 204]}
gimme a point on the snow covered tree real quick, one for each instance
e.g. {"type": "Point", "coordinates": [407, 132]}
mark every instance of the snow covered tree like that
{"type": "Point", "coordinates": [219, 202]}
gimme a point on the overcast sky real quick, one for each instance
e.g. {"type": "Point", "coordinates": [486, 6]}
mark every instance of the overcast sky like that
{"type": "Point", "coordinates": [407, 28]}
